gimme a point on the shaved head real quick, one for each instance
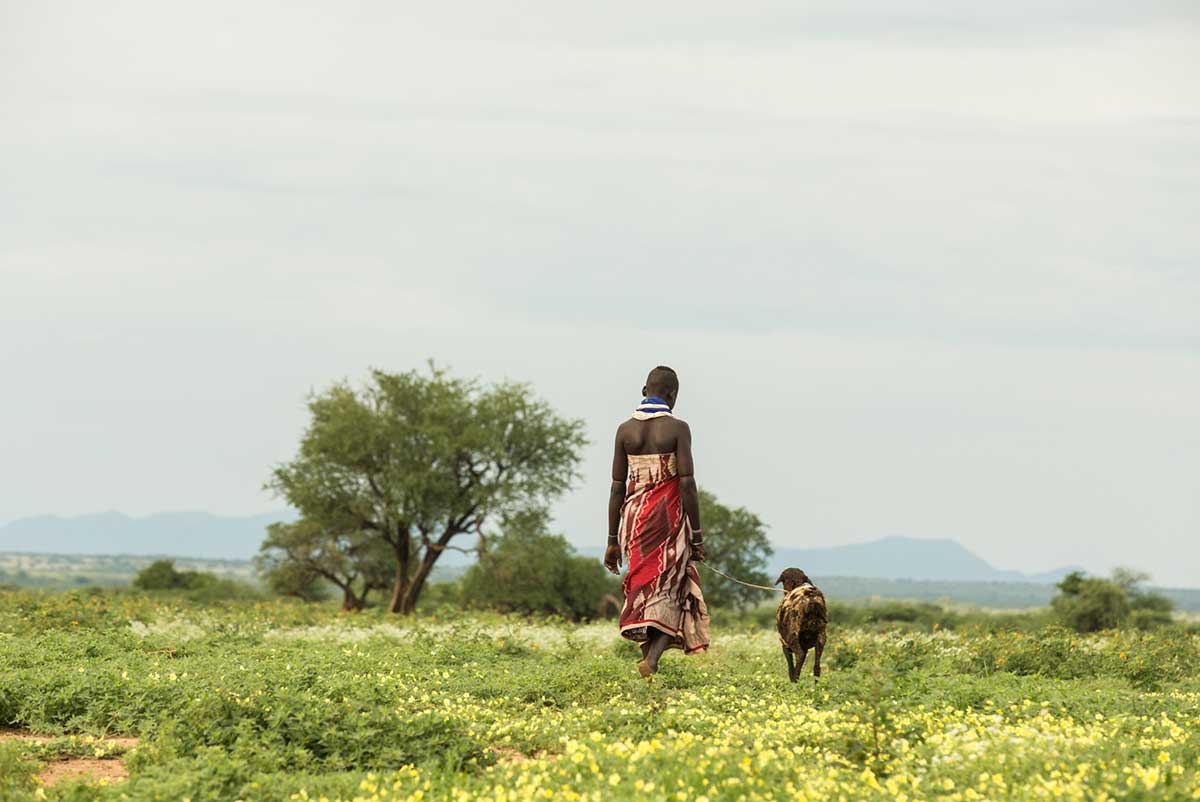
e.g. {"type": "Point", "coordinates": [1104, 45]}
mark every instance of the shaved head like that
{"type": "Point", "coordinates": [662, 381]}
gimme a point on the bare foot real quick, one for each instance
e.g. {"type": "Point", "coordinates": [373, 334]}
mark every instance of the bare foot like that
{"type": "Point", "coordinates": [645, 669]}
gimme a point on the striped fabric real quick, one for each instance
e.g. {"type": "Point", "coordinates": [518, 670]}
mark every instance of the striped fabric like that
{"type": "Point", "coordinates": [662, 588]}
{"type": "Point", "coordinates": [651, 407]}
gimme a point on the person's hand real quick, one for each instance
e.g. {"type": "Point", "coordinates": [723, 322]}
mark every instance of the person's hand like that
{"type": "Point", "coordinates": [698, 552]}
{"type": "Point", "coordinates": [612, 558]}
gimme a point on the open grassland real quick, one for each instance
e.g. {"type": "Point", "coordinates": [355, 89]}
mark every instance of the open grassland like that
{"type": "Point", "coordinates": [277, 701]}
{"type": "Point", "coordinates": [65, 571]}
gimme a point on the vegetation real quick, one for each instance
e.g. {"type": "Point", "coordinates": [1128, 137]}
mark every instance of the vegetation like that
{"type": "Point", "coordinates": [66, 571]}
{"type": "Point", "coordinates": [282, 700]}
{"type": "Point", "coordinates": [737, 544]}
{"type": "Point", "coordinates": [529, 570]}
{"type": "Point", "coordinates": [1092, 604]}
{"type": "Point", "coordinates": [297, 558]}
{"type": "Point", "coordinates": [416, 461]}
{"type": "Point", "coordinates": [162, 575]}
{"type": "Point", "coordinates": [63, 572]}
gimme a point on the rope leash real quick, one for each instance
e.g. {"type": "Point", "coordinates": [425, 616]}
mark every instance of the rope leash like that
{"type": "Point", "coordinates": [740, 582]}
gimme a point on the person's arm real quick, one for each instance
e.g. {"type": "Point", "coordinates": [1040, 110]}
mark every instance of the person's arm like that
{"type": "Point", "coordinates": [616, 499]}
{"type": "Point", "coordinates": [685, 466]}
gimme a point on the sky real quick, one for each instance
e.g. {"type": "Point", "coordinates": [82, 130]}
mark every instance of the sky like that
{"type": "Point", "coordinates": [925, 268]}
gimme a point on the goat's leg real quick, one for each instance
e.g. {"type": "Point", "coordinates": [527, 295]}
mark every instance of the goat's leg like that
{"type": "Point", "coordinates": [791, 667]}
{"type": "Point", "coordinates": [800, 665]}
{"type": "Point", "coordinates": [817, 660]}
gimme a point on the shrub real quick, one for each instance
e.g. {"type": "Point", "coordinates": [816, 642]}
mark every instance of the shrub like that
{"type": "Point", "coordinates": [530, 570]}
{"type": "Point", "coordinates": [199, 586]}
{"type": "Point", "coordinates": [16, 772]}
{"type": "Point", "coordinates": [1091, 604]}
{"type": "Point", "coordinates": [161, 575]}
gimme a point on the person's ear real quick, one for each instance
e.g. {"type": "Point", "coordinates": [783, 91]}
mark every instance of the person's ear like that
{"type": "Point", "coordinates": [645, 394]}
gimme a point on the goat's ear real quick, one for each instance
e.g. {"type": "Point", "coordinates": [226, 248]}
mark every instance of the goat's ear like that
{"type": "Point", "coordinates": [780, 580]}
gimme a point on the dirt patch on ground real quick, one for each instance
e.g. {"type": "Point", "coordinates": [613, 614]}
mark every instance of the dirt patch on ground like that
{"type": "Point", "coordinates": [110, 741]}
{"type": "Point", "coordinates": [83, 768]}
{"type": "Point", "coordinates": [92, 769]}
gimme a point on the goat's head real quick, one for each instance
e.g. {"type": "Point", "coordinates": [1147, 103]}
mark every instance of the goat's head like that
{"type": "Point", "coordinates": [792, 578]}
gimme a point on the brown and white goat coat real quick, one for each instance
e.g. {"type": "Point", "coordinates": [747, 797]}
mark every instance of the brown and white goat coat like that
{"type": "Point", "coordinates": [801, 620]}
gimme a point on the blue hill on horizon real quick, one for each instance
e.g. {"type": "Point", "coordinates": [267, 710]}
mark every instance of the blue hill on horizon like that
{"type": "Point", "coordinates": [899, 557]}
{"type": "Point", "coordinates": [203, 535]}
{"type": "Point", "coordinates": [176, 534]}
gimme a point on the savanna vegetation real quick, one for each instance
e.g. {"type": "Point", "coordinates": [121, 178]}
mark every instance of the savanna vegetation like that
{"type": "Point", "coordinates": [412, 465]}
{"type": "Point", "coordinates": [283, 700]}
{"type": "Point", "coordinates": [353, 674]}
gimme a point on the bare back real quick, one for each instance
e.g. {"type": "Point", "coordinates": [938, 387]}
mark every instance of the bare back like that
{"type": "Point", "coordinates": [654, 436]}
{"type": "Point", "coordinates": [665, 435]}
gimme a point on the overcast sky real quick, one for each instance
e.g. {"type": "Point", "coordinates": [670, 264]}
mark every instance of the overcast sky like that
{"type": "Point", "coordinates": [925, 267]}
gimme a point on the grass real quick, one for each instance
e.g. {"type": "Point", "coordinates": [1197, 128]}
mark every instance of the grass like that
{"type": "Point", "coordinates": [281, 701]}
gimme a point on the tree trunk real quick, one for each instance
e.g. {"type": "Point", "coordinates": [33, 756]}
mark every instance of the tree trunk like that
{"type": "Point", "coordinates": [350, 601]}
{"type": "Point", "coordinates": [417, 583]}
{"type": "Point", "coordinates": [399, 589]}
{"type": "Point", "coordinates": [406, 589]}
{"type": "Point", "coordinates": [400, 583]}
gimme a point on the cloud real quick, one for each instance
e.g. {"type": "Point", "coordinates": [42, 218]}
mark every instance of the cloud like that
{"type": "Point", "coordinates": [947, 251]}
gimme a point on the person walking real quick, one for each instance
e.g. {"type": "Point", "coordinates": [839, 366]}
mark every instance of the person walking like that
{"type": "Point", "coordinates": [654, 525]}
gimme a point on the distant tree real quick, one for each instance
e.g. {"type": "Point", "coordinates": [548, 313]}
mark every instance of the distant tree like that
{"type": "Point", "coordinates": [1147, 609]}
{"type": "Point", "coordinates": [417, 460]}
{"type": "Point", "coordinates": [527, 569]}
{"type": "Point", "coordinates": [162, 575]}
{"type": "Point", "coordinates": [1130, 579]}
{"type": "Point", "coordinates": [736, 542]}
{"type": "Point", "coordinates": [1090, 604]}
{"type": "Point", "coordinates": [296, 558]}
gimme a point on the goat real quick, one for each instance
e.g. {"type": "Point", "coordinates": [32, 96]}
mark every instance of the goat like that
{"type": "Point", "coordinates": [801, 620]}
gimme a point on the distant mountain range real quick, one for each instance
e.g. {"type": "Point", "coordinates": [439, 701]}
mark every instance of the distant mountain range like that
{"type": "Point", "coordinates": [214, 537]}
{"type": "Point", "coordinates": [905, 558]}
{"type": "Point", "coordinates": [896, 557]}
{"type": "Point", "coordinates": [178, 534]}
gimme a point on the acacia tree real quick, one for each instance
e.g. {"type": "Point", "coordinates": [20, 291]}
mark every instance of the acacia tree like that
{"type": "Point", "coordinates": [416, 460]}
{"type": "Point", "coordinates": [295, 557]}
{"type": "Point", "coordinates": [735, 540]}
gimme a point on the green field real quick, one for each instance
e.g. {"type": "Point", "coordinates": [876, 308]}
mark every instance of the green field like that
{"type": "Point", "coordinates": [62, 571]}
{"type": "Point", "coordinates": [282, 701]}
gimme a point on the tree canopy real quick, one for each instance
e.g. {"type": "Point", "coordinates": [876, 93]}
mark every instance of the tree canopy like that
{"type": "Point", "coordinates": [296, 558]}
{"type": "Point", "coordinates": [736, 542]}
{"type": "Point", "coordinates": [416, 460]}
{"type": "Point", "coordinates": [163, 575]}
{"type": "Point", "coordinates": [1091, 604]}
{"type": "Point", "coordinates": [530, 570]}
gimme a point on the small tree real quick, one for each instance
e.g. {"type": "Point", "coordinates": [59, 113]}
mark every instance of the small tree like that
{"type": "Point", "coordinates": [416, 461]}
{"type": "Point", "coordinates": [295, 558]}
{"type": "Point", "coordinates": [1147, 609]}
{"type": "Point", "coordinates": [529, 570]}
{"type": "Point", "coordinates": [736, 542]}
{"type": "Point", "coordinates": [1090, 604]}
{"type": "Point", "coordinates": [160, 575]}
